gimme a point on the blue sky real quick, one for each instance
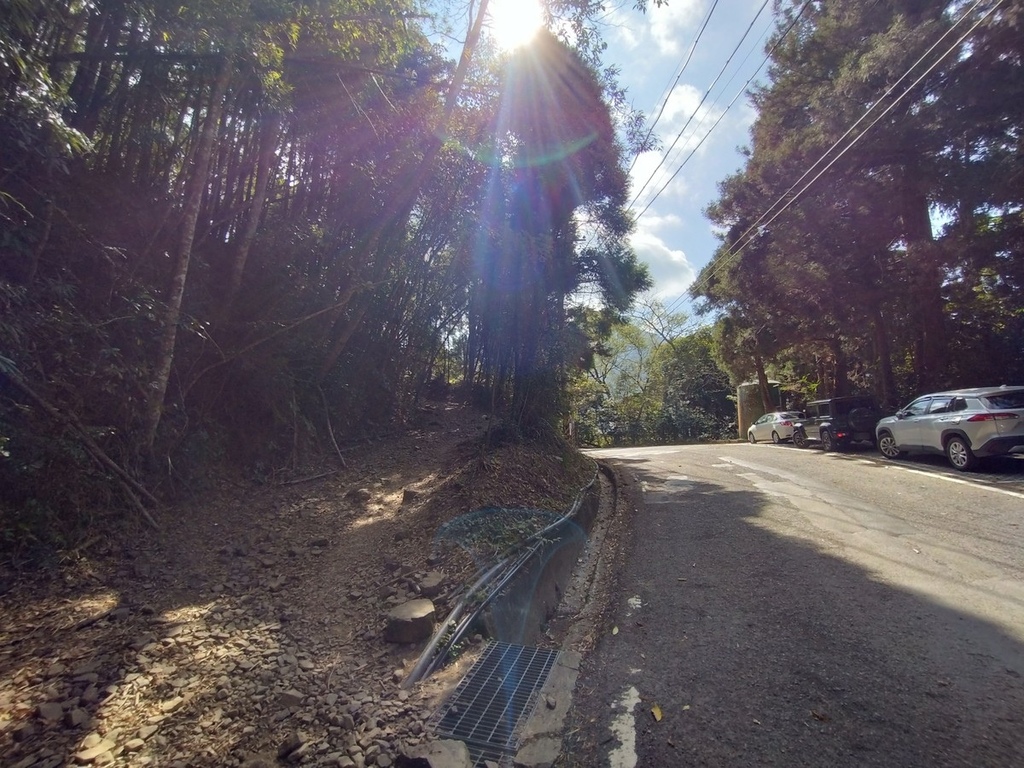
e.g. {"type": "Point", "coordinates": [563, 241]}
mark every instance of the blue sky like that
{"type": "Point", "coordinates": [673, 237]}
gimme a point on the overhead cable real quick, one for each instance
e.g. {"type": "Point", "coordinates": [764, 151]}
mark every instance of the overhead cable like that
{"type": "Point", "coordinates": [768, 216]}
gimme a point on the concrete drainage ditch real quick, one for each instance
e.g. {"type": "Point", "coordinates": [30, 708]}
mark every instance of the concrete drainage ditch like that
{"type": "Point", "coordinates": [510, 707]}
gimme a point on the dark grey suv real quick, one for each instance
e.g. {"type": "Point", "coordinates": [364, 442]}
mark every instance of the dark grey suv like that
{"type": "Point", "coordinates": [837, 422]}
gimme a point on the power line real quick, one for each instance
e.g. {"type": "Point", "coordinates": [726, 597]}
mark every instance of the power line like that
{"type": "Point", "coordinates": [761, 222]}
{"type": "Point", "coordinates": [670, 88]}
{"type": "Point", "coordinates": [739, 93]}
{"type": "Point", "coordinates": [696, 110]}
{"type": "Point", "coordinates": [667, 93]}
{"type": "Point", "coordinates": [742, 90]}
{"type": "Point", "coordinates": [704, 138]}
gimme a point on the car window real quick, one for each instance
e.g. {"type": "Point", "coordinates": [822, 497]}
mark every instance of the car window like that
{"type": "Point", "coordinates": [917, 408]}
{"type": "Point", "coordinates": [940, 405]}
{"type": "Point", "coordinates": [1007, 399]}
{"type": "Point", "coordinates": [821, 409]}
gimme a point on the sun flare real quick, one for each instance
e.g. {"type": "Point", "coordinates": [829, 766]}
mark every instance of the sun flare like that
{"type": "Point", "coordinates": [513, 23]}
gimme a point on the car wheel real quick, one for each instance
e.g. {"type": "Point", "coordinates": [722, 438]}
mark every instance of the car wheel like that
{"type": "Point", "coordinates": [799, 438]}
{"type": "Point", "coordinates": [827, 441]}
{"type": "Point", "coordinates": [775, 437]}
{"type": "Point", "coordinates": [750, 437]}
{"type": "Point", "coordinates": [887, 446]}
{"type": "Point", "coordinates": [960, 454]}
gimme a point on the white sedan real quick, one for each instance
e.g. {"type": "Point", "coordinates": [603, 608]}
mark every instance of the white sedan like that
{"type": "Point", "coordinates": [776, 427]}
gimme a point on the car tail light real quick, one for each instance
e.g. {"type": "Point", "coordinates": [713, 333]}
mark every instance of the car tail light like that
{"type": "Point", "coordinates": [993, 416]}
{"type": "Point", "coordinates": [786, 423]}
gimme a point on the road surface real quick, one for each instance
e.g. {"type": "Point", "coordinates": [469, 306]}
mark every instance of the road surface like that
{"type": "Point", "coordinates": [779, 607]}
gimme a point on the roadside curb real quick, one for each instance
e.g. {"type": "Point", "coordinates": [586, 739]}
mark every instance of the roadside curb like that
{"type": "Point", "coordinates": [581, 615]}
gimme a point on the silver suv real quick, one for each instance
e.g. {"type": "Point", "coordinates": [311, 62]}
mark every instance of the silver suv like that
{"type": "Point", "coordinates": [963, 424]}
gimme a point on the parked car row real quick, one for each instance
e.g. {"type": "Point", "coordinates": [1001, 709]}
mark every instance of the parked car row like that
{"type": "Point", "coordinates": [964, 425]}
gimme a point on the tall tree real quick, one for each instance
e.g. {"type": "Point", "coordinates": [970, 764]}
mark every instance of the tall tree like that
{"type": "Point", "coordinates": [859, 244]}
{"type": "Point", "coordinates": [562, 161]}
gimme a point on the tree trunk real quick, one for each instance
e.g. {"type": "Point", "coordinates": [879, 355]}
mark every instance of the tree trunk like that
{"type": "Point", "coordinates": [397, 213]}
{"type": "Point", "coordinates": [193, 199]}
{"type": "Point", "coordinates": [925, 285]}
{"type": "Point", "coordinates": [840, 370]}
{"type": "Point", "coordinates": [762, 383]}
{"type": "Point", "coordinates": [883, 354]}
{"type": "Point", "coordinates": [268, 142]}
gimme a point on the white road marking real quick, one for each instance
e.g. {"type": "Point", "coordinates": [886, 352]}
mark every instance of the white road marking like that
{"type": "Point", "coordinates": [623, 728]}
{"type": "Point", "coordinates": [959, 481]}
{"type": "Point", "coordinates": [891, 467]}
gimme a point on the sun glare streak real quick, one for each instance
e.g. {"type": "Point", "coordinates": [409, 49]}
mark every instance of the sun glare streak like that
{"type": "Point", "coordinates": [514, 23]}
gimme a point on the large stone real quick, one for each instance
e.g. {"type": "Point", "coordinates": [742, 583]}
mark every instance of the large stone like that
{"type": "Point", "coordinates": [446, 753]}
{"type": "Point", "coordinates": [291, 745]}
{"type": "Point", "coordinates": [75, 717]}
{"type": "Point", "coordinates": [432, 584]}
{"type": "Point", "coordinates": [410, 622]}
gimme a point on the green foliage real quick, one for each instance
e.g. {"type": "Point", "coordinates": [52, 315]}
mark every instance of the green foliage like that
{"type": "Point", "coordinates": [352, 245]}
{"type": "Point", "coordinates": [855, 285]}
{"type": "Point", "coordinates": [563, 162]}
{"type": "Point", "coordinates": [656, 381]}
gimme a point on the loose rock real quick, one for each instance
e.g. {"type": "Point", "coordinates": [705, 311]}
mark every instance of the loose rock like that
{"type": "Point", "coordinates": [411, 622]}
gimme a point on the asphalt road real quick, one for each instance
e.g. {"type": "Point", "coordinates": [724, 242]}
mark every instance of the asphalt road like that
{"type": "Point", "coordinates": [786, 607]}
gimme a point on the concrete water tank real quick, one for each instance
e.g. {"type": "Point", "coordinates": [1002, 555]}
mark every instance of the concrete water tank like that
{"type": "Point", "coordinates": [749, 405]}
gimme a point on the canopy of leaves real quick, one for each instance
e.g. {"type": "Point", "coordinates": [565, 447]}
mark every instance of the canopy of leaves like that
{"type": "Point", "coordinates": [655, 381]}
{"type": "Point", "coordinates": [252, 228]}
{"type": "Point", "coordinates": [871, 240]}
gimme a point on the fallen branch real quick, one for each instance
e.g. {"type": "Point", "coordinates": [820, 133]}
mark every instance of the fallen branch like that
{"type": "Point", "coordinates": [88, 622]}
{"type": "Point", "coordinates": [311, 478]}
{"type": "Point", "coordinates": [330, 429]}
{"type": "Point", "coordinates": [337, 306]}
{"type": "Point", "coordinates": [131, 487]}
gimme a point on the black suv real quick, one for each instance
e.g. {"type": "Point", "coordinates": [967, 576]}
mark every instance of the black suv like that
{"type": "Point", "coordinates": [837, 422]}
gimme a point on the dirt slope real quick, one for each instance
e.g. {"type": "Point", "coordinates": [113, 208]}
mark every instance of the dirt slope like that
{"type": "Point", "coordinates": [249, 629]}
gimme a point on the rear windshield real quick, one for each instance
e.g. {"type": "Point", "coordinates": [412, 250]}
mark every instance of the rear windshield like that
{"type": "Point", "coordinates": [1013, 399]}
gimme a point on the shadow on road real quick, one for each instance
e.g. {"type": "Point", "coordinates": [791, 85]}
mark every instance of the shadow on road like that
{"type": "Point", "coordinates": [762, 647]}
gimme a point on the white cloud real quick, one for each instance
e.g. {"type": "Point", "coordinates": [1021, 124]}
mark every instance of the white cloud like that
{"type": "Point", "coordinates": [684, 102]}
{"type": "Point", "coordinates": [622, 29]}
{"type": "Point", "coordinates": [674, 238]}
{"type": "Point", "coordinates": [670, 25]}
{"type": "Point", "coordinates": [670, 270]}
{"type": "Point", "coordinates": [654, 222]}
{"type": "Point", "coordinates": [649, 180]}
{"type": "Point", "coordinates": [681, 136]}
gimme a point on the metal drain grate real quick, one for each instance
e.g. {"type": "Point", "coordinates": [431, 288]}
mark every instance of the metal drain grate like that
{"type": "Point", "coordinates": [487, 707]}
